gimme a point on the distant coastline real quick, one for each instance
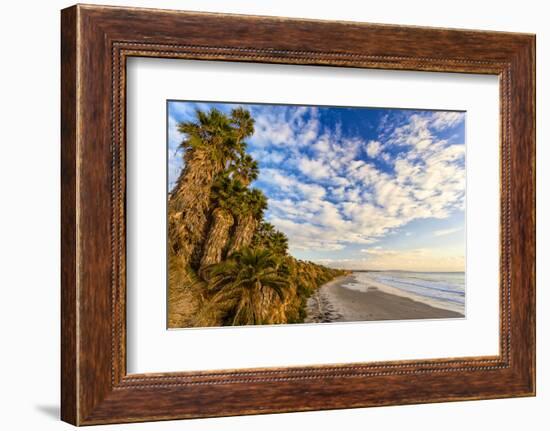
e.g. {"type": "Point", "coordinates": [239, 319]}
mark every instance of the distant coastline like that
{"type": "Point", "coordinates": [336, 301]}
{"type": "Point", "coordinates": [398, 270]}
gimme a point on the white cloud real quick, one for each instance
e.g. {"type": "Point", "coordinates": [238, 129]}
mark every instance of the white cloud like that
{"type": "Point", "coordinates": [446, 119]}
{"type": "Point", "coordinates": [307, 237]}
{"type": "Point", "coordinates": [297, 127]}
{"type": "Point", "coordinates": [311, 191]}
{"type": "Point", "coordinates": [314, 168]}
{"type": "Point", "coordinates": [290, 185]}
{"type": "Point", "coordinates": [183, 110]}
{"type": "Point", "coordinates": [444, 232]}
{"type": "Point", "coordinates": [270, 157]}
{"type": "Point", "coordinates": [373, 148]}
{"type": "Point", "coordinates": [174, 136]}
{"type": "Point", "coordinates": [175, 156]}
{"type": "Point", "coordinates": [417, 259]}
{"type": "Point", "coordinates": [363, 173]}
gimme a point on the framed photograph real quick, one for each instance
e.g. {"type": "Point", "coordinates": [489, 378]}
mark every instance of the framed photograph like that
{"type": "Point", "coordinates": [266, 215]}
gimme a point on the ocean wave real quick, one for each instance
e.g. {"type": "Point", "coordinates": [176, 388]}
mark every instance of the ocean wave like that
{"type": "Point", "coordinates": [445, 290]}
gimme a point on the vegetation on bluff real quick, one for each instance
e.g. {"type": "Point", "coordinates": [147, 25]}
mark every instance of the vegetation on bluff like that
{"type": "Point", "coordinates": [226, 264]}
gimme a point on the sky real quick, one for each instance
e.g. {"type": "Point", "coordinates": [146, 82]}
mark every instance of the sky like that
{"type": "Point", "coordinates": [356, 188]}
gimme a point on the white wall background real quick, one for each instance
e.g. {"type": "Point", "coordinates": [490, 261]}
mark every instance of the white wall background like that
{"type": "Point", "coordinates": [29, 225]}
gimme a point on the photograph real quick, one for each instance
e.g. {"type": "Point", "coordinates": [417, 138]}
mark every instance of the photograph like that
{"type": "Point", "coordinates": [289, 214]}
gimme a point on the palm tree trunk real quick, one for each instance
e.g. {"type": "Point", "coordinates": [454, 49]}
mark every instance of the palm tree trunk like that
{"type": "Point", "coordinates": [222, 220]}
{"type": "Point", "coordinates": [188, 206]}
{"type": "Point", "coordinates": [273, 310]}
{"type": "Point", "coordinates": [246, 225]}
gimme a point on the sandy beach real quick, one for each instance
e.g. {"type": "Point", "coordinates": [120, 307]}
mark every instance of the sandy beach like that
{"type": "Point", "coordinates": [333, 302]}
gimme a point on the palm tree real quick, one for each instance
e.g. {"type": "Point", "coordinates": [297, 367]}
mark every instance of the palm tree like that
{"type": "Point", "coordinates": [250, 287]}
{"type": "Point", "coordinates": [227, 195]}
{"type": "Point", "coordinates": [211, 143]}
{"type": "Point", "coordinates": [267, 236]}
{"type": "Point", "coordinates": [279, 243]}
{"type": "Point", "coordinates": [251, 212]}
{"type": "Point", "coordinates": [261, 236]}
{"type": "Point", "coordinates": [245, 169]}
{"type": "Point", "coordinates": [243, 122]}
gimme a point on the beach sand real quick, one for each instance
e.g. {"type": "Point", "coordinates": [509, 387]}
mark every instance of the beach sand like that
{"type": "Point", "coordinates": [333, 302]}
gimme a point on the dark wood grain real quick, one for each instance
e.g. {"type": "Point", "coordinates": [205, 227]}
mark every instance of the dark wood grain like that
{"type": "Point", "coordinates": [69, 398]}
{"type": "Point", "coordinates": [96, 41]}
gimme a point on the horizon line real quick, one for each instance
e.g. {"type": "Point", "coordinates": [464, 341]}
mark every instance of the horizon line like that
{"type": "Point", "coordinates": [382, 270]}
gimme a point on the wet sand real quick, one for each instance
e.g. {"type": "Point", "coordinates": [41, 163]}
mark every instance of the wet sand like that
{"type": "Point", "coordinates": [333, 302]}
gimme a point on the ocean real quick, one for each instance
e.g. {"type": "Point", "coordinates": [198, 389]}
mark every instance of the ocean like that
{"type": "Point", "coordinates": [439, 289]}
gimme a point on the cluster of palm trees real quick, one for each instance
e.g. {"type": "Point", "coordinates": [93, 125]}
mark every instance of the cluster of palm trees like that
{"type": "Point", "coordinates": [227, 266]}
{"type": "Point", "coordinates": [213, 147]}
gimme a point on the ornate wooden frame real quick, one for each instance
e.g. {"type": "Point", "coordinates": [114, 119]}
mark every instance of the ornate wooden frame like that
{"type": "Point", "coordinates": [96, 41]}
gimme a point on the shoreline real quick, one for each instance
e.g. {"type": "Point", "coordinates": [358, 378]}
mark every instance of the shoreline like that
{"type": "Point", "coordinates": [333, 302]}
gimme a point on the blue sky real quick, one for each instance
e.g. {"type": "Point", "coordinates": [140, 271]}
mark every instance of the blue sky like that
{"type": "Point", "coordinates": [362, 188]}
